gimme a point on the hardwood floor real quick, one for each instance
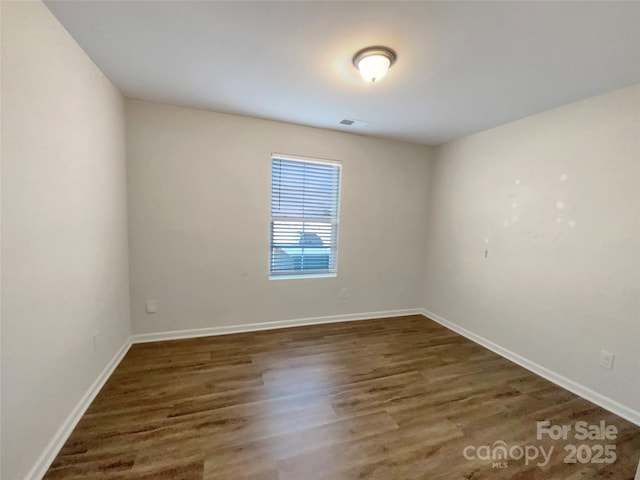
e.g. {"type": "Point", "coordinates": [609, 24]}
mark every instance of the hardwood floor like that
{"type": "Point", "coordinates": [388, 399]}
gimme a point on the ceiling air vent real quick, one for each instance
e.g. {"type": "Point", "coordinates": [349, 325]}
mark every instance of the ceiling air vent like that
{"type": "Point", "coordinates": [354, 123]}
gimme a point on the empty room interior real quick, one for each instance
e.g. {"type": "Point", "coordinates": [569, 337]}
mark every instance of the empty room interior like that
{"type": "Point", "coordinates": [285, 240]}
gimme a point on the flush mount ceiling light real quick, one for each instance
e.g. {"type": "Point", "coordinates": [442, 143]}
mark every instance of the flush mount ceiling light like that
{"type": "Point", "coordinates": [373, 62]}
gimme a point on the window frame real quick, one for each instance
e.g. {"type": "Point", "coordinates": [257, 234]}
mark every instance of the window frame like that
{"type": "Point", "coordinates": [289, 275]}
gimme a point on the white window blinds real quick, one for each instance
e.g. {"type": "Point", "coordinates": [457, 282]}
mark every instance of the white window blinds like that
{"type": "Point", "coordinates": [304, 217]}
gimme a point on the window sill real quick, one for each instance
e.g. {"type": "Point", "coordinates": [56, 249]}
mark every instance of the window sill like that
{"type": "Point", "coordinates": [302, 275]}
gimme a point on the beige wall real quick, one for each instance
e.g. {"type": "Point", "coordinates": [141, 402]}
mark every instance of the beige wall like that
{"type": "Point", "coordinates": [554, 293]}
{"type": "Point", "coordinates": [199, 189]}
{"type": "Point", "coordinates": [64, 241]}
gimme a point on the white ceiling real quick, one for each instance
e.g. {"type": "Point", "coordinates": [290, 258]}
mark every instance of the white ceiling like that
{"type": "Point", "coordinates": [462, 67]}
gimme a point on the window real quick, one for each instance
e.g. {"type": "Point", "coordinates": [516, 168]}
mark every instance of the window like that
{"type": "Point", "coordinates": [304, 217]}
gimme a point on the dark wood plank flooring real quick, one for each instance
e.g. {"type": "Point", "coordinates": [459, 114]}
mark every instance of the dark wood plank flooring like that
{"type": "Point", "coordinates": [388, 399]}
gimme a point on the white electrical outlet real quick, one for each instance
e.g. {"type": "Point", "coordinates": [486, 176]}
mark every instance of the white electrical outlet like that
{"type": "Point", "coordinates": [606, 360]}
{"type": "Point", "coordinates": [152, 306]}
{"type": "Point", "coordinates": [344, 294]}
{"type": "Point", "coordinates": [96, 334]}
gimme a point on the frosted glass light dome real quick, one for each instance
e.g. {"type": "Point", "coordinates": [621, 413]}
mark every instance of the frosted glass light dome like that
{"type": "Point", "coordinates": [374, 62]}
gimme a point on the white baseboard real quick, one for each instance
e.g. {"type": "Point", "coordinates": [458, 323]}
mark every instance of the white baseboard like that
{"type": "Point", "coordinates": [61, 436]}
{"type": "Point", "coordinates": [605, 402]}
{"type": "Point", "coordinates": [252, 327]}
{"type": "Point", "coordinates": [57, 442]}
